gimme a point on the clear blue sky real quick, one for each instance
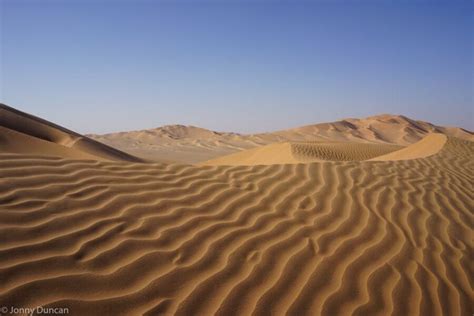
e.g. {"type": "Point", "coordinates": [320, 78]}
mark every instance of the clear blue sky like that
{"type": "Point", "coordinates": [244, 66]}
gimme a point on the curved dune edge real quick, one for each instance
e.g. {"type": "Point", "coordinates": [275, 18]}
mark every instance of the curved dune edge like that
{"type": "Point", "coordinates": [339, 238]}
{"type": "Point", "coordinates": [428, 146]}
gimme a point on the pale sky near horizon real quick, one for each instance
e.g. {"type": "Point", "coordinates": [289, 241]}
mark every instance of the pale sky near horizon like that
{"type": "Point", "coordinates": [243, 66]}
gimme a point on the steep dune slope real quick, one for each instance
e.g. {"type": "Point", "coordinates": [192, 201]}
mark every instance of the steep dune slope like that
{"type": "Point", "coordinates": [24, 133]}
{"type": "Point", "coordinates": [325, 238]}
{"type": "Point", "coordinates": [15, 142]}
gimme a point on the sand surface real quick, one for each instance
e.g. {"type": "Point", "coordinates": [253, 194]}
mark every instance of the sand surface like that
{"type": "Point", "coordinates": [101, 237]}
{"type": "Point", "coordinates": [428, 146]}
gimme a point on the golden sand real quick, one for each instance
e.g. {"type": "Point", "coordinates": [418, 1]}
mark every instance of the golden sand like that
{"type": "Point", "coordinates": [100, 237]}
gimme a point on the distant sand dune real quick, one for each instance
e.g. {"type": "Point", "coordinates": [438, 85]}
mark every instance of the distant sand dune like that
{"type": "Point", "coordinates": [324, 238]}
{"type": "Point", "coordinates": [190, 144]}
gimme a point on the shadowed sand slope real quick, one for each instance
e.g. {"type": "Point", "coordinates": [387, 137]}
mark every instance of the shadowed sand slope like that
{"type": "Point", "coordinates": [24, 133]}
{"type": "Point", "coordinates": [324, 238]}
{"type": "Point", "coordinates": [303, 152]}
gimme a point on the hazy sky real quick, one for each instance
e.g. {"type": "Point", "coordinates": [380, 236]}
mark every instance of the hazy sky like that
{"type": "Point", "coordinates": [244, 66]}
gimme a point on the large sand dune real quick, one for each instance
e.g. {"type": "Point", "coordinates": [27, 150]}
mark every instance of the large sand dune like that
{"type": "Point", "coordinates": [389, 237]}
{"type": "Point", "coordinates": [24, 133]}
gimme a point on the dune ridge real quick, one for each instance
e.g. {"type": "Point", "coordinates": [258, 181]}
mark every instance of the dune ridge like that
{"type": "Point", "coordinates": [321, 238]}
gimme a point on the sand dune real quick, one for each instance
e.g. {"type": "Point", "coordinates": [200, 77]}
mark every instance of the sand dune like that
{"type": "Point", "coordinates": [336, 235]}
{"type": "Point", "coordinates": [385, 128]}
{"type": "Point", "coordinates": [303, 152]}
{"type": "Point", "coordinates": [190, 144]}
{"type": "Point", "coordinates": [24, 133]}
{"type": "Point", "coordinates": [306, 152]}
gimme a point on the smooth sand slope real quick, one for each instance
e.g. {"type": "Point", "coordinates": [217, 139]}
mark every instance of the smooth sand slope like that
{"type": "Point", "coordinates": [323, 238]}
{"type": "Point", "coordinates": [27, 134]}
{"type": "Point", "coordinates": [428, 146]}
{"type": "Point", "coordinates": [189, 144]}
